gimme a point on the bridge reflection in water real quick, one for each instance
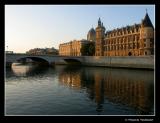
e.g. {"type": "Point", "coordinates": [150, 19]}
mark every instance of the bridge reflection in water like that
{"type": "Point", "coordinates": [134, 88]}
{"type": "Point", "coordinates": [27, 69]}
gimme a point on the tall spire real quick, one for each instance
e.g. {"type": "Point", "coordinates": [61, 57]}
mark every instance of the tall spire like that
{"type": "Point", "coordinates": [99, 19]}
{"type": "Point", "coordinates": [146, 10]}
{"type": "Point", "coordinates": [99, 22]}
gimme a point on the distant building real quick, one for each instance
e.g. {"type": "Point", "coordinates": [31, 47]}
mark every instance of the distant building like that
{"type": "Point", "coordinates": [135, 40]}
{"type": "Point", "coordinates": [43, 51]}
{"type": "Point", "coordinates": [72, 48]}
{"type": "Point", "coordinates": [9, 52]}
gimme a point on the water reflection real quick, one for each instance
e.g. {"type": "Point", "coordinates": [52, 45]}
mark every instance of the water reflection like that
{"type": "Point", "coordinates": [70, 76]}
{"type": "Point", "coordinates": [133, 88]}
{"type": "Point", "coordinates": [97, 89]}
{"type": "Point", "coordinates": [29, 69]}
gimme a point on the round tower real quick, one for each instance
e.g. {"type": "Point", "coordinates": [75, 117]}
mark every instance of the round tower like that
{"type": "Point", "coordinates": [146, 36]}
{"type": "Point", "coordinates": [100, 34]}
{"type": "Point", "coordinates": [91, 36]}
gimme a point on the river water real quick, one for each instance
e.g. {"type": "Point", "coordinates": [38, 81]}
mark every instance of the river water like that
{"type": "Point", "coordinates": [75, 90]}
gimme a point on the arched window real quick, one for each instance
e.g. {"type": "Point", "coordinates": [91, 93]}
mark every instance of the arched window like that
{"type": "Point", "coordinates": [129, 54]}
{"type": "Point", "coordinates": [145, 53]}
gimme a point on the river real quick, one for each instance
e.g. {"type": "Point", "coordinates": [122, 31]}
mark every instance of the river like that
{"type": "Point", "coordinates": [77, 90]}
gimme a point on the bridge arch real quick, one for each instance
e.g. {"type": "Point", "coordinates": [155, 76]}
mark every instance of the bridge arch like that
{"type": "Point", "coordinates": [44, 62]}
{"type": "Point", "coordinates": [52, 60]}
{"type": "Point", "coordinates": [73, 61]}
{"type": "Point", "coordinates": [36, 59]}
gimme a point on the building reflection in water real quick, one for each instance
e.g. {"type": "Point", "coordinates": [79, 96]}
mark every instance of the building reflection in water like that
{"type": "Point", "coordinates": [70, 76]}
{"type": "Point", "coordinates": [133, 88]}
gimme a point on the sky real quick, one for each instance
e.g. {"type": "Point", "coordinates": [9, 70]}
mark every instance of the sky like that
{"type": "Point", "coordinates": [41, 26]}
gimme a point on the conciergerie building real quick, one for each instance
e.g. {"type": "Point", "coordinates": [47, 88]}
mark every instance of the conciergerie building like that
{"type": "Point", "coordinates": [133, 40]}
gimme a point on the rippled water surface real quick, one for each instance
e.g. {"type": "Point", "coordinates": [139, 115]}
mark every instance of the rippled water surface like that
{"type": "Point", "coordinates": [73, 90]}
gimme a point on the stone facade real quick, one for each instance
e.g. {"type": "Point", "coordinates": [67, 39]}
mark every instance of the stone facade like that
{"type": "Point", "coordinates": [65, 49]}
{"type": "Point", "coordinates": [72, 48]}
{"type": "Point", "coordinates": [134, 40]}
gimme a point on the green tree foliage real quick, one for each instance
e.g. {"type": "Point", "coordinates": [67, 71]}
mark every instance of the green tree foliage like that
{"type": "Point", "coordinates": [88, 49]}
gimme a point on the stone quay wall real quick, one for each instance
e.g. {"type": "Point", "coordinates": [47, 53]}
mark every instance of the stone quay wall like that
{"type": "Point", "coordinates": [146, 62]}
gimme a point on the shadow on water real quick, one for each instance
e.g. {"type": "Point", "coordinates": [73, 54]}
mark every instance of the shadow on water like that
{"type": "Point", "coordinates": [72, 68]}
{"type": "Point", "coordinates": [129, 88]}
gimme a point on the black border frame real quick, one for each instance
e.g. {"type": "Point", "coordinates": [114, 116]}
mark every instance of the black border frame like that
{"type": "Point", "coordinates": [155, 118]}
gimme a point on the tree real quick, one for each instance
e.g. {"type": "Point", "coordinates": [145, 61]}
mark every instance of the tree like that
{"type": "Point", "coordinates": [88, 49]}
{"type": "Point", "coordinates": [91, 49]}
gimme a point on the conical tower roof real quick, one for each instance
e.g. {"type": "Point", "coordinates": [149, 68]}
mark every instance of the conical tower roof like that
{"type": "Point", "coordinates": [146, 22]}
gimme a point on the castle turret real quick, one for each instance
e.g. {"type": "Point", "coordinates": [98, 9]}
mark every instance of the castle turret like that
{"type": "Point", "coordinates": [146, 36]}
{"type": "Point", "coordinates": [100, 34]}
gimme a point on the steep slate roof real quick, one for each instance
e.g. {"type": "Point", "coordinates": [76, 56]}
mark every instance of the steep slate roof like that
{"type": "Point", "coordinates": [146, 22]}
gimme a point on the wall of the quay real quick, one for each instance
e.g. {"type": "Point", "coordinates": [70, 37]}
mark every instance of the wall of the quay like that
{"type": "Point", "coordinates": [117, 61]}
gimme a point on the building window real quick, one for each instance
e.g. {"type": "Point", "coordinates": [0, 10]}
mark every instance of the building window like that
{"type": "Point", "coordinates": [137, 45]}
{"type": "Point", "coordinates": [152, 52]}
{"type": "Point", "coordinates": [121, 47]}
{"type": "Point", "coordinates": [113, 48]}
{"type": "Point", "coordinates": [129, 54]}
{"type": "Point", "coordinates": [124, 47]}
{"type": "Point", "coordinates": [105, 48]}
{"type": "Point", "coordinates": [133, 38]}
{"type": "Point", "coordinates": [145, 53]}
{"type": "Point", "coordinates": [128, 46]}
{"type": "Point", "coordinates": [133, 45]}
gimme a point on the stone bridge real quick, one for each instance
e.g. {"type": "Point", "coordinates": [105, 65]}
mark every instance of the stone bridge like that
{"type": "Point", "coordinates": [142, 62]}
{"type": "Point", "coordinates": [11, 58]}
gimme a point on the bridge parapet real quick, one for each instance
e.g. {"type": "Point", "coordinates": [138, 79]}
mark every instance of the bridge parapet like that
{"type": "Point", "coordinates": [10, 58]}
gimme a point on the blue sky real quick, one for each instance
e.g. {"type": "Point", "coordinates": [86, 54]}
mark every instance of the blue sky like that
{"type": "Point", "coordinates": [40, 26]}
